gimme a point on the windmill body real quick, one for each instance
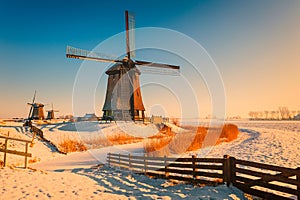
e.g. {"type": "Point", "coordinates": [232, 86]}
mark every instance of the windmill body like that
{"type": "Point", "coordinates": [50, 113]}
{"type": "Point", "coordinates": [123, 99]}
{"type": "Point", "coordinates": [37, 111]}
{"type": "Point", "coordinates": [123, 95]}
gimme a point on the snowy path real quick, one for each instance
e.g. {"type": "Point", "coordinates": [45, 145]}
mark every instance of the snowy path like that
{"type": "Point", "coordinates": [86, 159]}
{"type": "Point", "coordinates": [141, 187]}
{"type": "Point", "coordinates": [101, 183]}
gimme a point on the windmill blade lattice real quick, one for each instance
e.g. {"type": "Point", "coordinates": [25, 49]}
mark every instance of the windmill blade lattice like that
{"type": "Point", "coordinates": [73, 52]}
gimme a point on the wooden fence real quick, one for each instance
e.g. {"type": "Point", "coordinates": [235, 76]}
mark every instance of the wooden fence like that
{"type": "Point", "coordinates": [9, 151]}
{"type": "Point", "coordinates": [262, 180]}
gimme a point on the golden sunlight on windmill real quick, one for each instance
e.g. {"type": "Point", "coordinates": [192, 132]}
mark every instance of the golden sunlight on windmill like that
{"type": "Point", "coordinates": [165, 117]}
{"type": "Point", "coordinates": [123, 100]}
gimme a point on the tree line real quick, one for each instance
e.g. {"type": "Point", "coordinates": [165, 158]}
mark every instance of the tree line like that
{"type": "Point", "coordinates": [283, 113]}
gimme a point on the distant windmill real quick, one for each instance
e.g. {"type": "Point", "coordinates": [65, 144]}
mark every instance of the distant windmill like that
{"type": "Point", "coordinates": [123, 96]}
{"type": "Point", "coordinates": [50, 114]}
{"type": "Point", "coordinates": [36, 109]}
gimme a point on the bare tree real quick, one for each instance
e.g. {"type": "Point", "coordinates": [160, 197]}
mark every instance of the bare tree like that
{"type": "Point", "coordinates": [266, 114]}
{"type": "Point", "coordinates": [292, 114]}
{"type": "Point", "coordinates": [251, 114]}
{"type": "Point", "coordinates": [284, 112]}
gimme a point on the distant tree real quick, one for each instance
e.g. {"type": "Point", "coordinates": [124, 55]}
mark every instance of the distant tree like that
{"type": "Point", "coordinates": [266, 114]}
{"type": "Point", "coordinates": [284, 112]}
{"type": "Point", "coordinates": [255, 115]}
{"type": "Point", "coordinates": [260, 114]}
{"type": "Point", "coordinates": [292, 114]}
{"type": "Point", "coordinates": [251, 114]}
{"type": "Point", "coordinates": [273, 114]}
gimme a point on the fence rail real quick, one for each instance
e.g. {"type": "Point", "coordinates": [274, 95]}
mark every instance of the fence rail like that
{"type": "Point", "coordinates": [5, 150]}
{"type": "Point", "coordinates": [262, 180]}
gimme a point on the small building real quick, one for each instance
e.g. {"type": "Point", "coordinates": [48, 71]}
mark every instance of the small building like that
{"type": "Point", "coordinates": [158, 119]}
{"type": "Point", "coordinates": [297, 117]}
{"type": "Point", "coordinates": [88, 117]}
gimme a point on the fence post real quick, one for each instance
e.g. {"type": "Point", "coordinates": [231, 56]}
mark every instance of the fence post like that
{"type": "Point", "coordinates": [129, 162]}
{"type": "Point", "coordinates": [232, 169]}
{"type": "Point", "coordinates": [26, 151]}
{"type": "Point", "coordinates": [298, 179]}
{"type": "Point", "coordinates": [108, 159]}
{"type": "Point", "coordinates": [145, 164]}
{"type": "Point", "coordinates": [226, 170]}
{"type": "Point", "coordinates": [166, 167]}
{"type": "Point", "coordinates": [5, 149]}
{"type": "Point", "coordinates": [195, 177]}
{"type": "Point", "coordinates": [119, 161]}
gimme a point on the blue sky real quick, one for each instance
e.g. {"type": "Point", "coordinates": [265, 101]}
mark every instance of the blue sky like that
{"type": "Point", "coordinates": [254, 43]}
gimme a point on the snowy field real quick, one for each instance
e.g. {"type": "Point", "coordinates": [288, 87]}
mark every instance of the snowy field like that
{"type": "Point", "coordinates": [269, 142]}
{"type": "Point", "coordinates": [77, 176]}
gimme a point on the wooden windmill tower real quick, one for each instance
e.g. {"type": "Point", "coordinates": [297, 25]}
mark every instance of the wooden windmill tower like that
{"type": "Point", "coordinates": [50, 113]}
{"type": "Point", "coordinates": [36, 109]}
{"type": "Point", "coordinates": [123, 96]}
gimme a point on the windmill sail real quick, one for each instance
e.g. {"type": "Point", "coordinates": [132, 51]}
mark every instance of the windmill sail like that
{"type": "Point", "coordinates": [72, 52]}
{"type": "Point", "coordinates": [131, 23]}
{"type": "Point", "coordinates": [158, 70]}
{"type": "Point", "coordinates": [123, 99]}
{"type": "Point", "coordinates": [33, 100]}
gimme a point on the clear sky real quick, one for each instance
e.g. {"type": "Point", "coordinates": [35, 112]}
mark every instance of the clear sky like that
{"type": "Point", "coordinates": [255, 44]}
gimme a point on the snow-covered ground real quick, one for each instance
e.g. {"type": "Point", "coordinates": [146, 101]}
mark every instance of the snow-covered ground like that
{"type": "Point", "coordinates": [70, 176]}
{"type": "Point", "coordinates": [276, 143]}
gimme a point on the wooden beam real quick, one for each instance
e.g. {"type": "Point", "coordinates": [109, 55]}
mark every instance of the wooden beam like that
{"type": "Point", "coordinates": [16, 139]}
{"type": "Point", "coordinates": [20, 153]}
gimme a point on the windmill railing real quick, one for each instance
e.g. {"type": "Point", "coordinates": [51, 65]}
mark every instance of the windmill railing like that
{"type": "Point", "coordinates": [262, 180]}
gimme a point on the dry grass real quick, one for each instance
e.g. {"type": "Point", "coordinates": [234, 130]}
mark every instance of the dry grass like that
{"type": "Point", "coordinates": [123, 138]}
{"type": "Point", "coordinates": [155, 144]}
{"type": "Point", "coordinates": [162, 144]}
{"type": "Point", "coordinates": [198, 139]}
{"type": "Point", "coordinates": [230, 132]}
{"type": "Point", "coordinates": [68, 146]}
{"type": "Point", "coordinates": [158, 141]}
{"type": "Point", "coordinates": [34, 160]}
{"type": "Point", "coordinates": [110, 139]}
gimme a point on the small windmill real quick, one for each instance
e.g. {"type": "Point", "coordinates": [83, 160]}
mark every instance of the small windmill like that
{"type": "Point", "coordinates": [123, 96]}
{"type": "Point", "coordinates": [50, 113]}
{"type": "Point", "coordinates": [36, 109]}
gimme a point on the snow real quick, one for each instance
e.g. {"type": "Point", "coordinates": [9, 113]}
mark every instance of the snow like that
{"type": "Point", "coordinates": [78, 175]}
{"type": "Point", "coordinates": [31, 184]}
{"type": "Point", "coordinates": [276, 143]}
{"type": "Point", "coordinates": [101, 183]}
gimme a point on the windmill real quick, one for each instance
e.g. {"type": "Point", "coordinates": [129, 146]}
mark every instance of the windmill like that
{"type": "Point", "coordinates": [36, 109]}
{"type": "Point", "coordinates": [123, 95]}
{"type": "Point", "coordinates": [50, 113]}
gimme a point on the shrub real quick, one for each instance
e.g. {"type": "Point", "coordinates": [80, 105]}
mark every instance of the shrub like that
{"type": "Point", "coordinates": [34, 160]}
{"type": "Point", "coordinates": [68, 146]}
{"type": "Point", "coordinates": [229, 131]}
{"type": "Point", "coordinates": [198, 139]}
{"type": "Point", "coordinates": [123, 138]}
